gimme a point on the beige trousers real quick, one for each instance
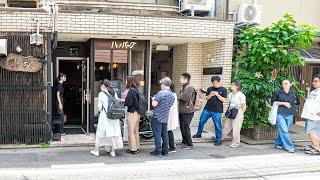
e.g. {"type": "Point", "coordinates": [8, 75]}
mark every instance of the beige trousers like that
{"type": "Point", "coordinates": [234, 125]}
{"type": "Point", "coordinates": [133, 131]}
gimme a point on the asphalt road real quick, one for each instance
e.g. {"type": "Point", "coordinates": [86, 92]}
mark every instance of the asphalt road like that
{"type": "Point", "coordinates": [206, 161]}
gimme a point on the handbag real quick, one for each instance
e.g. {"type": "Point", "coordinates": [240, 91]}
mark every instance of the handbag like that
{"type": "Point", "coordinates": [231, 113]}
{"type": "Point", "coordinates": [273, 114]}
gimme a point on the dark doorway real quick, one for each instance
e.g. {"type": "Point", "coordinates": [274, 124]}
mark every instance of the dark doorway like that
{"type": "Point", "coordinates": [72, 91]}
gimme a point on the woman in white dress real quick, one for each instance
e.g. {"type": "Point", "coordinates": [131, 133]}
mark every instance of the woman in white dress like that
{"type": "Point", "coordinates": [108, 130]}
{"type": "Point", "coordinates": [173, 121]}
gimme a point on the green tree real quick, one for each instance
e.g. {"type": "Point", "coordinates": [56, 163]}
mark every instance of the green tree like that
{"type": "Point", "coordinates": [266, 55]}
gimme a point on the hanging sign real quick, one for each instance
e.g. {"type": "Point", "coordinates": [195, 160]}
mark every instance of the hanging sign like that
{"type": "Point", "coordinates": [21, 63]}
{"type": "Point", "coordinates": [36, 38]}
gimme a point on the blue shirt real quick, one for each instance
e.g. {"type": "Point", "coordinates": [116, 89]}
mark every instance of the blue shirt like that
{"type": "Point", "coordinates": [165, 100]}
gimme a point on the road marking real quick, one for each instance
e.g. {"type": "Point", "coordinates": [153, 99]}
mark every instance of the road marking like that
{"type": "Point", "coordinates": [66, 166]}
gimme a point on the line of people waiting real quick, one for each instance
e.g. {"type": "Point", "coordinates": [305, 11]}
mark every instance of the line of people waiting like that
{"type": "Point", "coordinates": [173, 110]}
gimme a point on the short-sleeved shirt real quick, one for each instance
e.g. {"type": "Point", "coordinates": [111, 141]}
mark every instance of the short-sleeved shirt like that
{"type": "Point", "coordinates": [60, 88]}
{"type": "Point", "coordinates": [165, 100]}
{"type": "Point", "coordinates": [236, 99]}
{"type": "Point", "coordinates": [214, 104]}
{"type": "Point", "coordinates": [312, 106]}
{"type": "Point", "coordinates": [290, 97]}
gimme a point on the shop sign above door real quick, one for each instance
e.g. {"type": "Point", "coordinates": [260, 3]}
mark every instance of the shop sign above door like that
{"type": "Point", "coordinates": [123, 44]}
{"type": "Point", "coordinates": [21, 63]}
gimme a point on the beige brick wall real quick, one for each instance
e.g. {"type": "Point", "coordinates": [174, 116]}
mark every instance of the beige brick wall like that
{"type": "Point", "coordinates": [193, 57]}
{"type": "Point", "coordinates": [106, 24]}
{"type": "Point", "coordinates": [24, 20]}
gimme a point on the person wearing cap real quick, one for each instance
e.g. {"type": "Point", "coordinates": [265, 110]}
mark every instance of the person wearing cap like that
{"type": "Point", "coordinates": [162, 103]}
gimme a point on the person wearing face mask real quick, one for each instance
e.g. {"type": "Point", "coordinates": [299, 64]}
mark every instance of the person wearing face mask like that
{"type": "Point", "coordinates": [286, 99]}
{"type": "Point", "coordinates": [311, 112]}
{"type": "Point", "coordinates": [108, 132]}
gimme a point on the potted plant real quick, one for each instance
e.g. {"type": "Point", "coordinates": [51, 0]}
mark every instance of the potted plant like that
{"type": "Point", "coordinates": [265, 58]}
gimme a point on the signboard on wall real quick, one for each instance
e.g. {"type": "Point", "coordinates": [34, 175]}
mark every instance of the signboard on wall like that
{"type": "Point", "coordinates": [122, 44]}
{"type": "Point", "coordinates": [21, 63]}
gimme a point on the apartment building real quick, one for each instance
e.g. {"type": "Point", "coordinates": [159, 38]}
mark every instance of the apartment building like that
{"type": "Point", "coordinates": [90, 40]}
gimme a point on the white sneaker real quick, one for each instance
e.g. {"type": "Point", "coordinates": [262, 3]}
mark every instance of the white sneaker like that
{"type": "Point", "coordinates": [113, 154]}
{"type": "Point", "coordinates": [95, 153]}
{"type": "Point", "coordinates": [234, 145]}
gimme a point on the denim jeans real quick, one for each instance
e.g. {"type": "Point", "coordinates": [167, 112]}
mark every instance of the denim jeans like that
{"type": "Point", "coordinates": [283, 124]}
{"type": "Point", "coordinates": [160, 131]}
{"type": "Point", "coordinates": [216, 117]}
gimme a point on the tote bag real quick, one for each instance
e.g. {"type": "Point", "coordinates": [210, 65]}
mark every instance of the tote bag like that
{"type": "Point", "coordinates": [273, 114]}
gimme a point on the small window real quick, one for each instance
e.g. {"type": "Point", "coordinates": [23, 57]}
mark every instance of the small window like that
{"type": "Point", "coordinates": [23, 3]}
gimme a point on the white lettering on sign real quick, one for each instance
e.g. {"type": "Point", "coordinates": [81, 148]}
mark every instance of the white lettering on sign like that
{"type": "Point", "coordinates": [122, 45]}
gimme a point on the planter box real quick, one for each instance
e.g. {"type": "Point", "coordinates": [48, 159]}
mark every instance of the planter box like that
{"type": "Point", "coordinates": [260, 133]}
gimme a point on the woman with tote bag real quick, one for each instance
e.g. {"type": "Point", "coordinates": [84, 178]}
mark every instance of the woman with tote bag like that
{"type": "Point", "coordinates": [286, 99]}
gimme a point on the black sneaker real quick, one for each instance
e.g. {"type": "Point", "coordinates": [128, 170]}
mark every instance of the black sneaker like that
{"type": "Point", "coordinates": [172, 150]}
{"type": "Point", "coordinates": [132, 152]}
{"type": "Point", "coordinates": [218, 143]}
{"type": "Point", "coordinates": [196, 136]}
{"type": "Point", "coordinates": [153, 153]}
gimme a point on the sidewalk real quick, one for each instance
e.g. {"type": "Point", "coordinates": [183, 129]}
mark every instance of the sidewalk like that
{"type": "Point", "coordinates": [79, 140]}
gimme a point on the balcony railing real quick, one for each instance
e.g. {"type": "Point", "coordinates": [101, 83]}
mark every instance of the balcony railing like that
{"type": "Point", "coordinates": [219, 8]}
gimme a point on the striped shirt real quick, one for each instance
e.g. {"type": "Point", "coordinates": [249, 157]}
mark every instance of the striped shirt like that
{"type": "Point", "coordinates": [165, 100]}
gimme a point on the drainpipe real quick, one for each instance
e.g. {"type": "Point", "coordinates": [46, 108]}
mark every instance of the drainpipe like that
{"type": "Point", "coordinates": [149, 74]}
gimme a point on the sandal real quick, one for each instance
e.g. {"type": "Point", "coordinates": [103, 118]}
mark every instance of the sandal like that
{"type": "Point", "coordinates": [313, 151]}
{"type": "Point", "coordinates": [308, 148]}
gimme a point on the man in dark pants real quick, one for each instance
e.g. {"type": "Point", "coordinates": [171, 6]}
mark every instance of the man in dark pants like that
{"type": "Point", "coordinates": [186, 98]}
{"type": "Point", "coordinates": [162, 103]}
{"type": "Point", "coordinates": [59, 100]}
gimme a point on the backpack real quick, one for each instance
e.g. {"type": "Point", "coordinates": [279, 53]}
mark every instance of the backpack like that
{"type": "Point", "coordinates": [143, 104]}
{"type": "Point", "coordinates": [115, 109]}
{"type": "Point", "coordinates": [197, 103]}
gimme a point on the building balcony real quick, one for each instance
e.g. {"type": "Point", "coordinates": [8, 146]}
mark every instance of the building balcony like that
{"type": "Point", "coordinates": [215, 9]}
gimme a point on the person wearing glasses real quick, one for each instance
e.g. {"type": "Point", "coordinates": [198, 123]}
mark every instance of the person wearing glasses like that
{"type": "Point", "coordinates": [311, 112]}
{"type": "Point", "coordinates": [286, 99]}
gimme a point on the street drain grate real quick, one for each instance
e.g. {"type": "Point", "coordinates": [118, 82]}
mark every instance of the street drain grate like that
{"type": "Point", "coordinates": [217, 156]}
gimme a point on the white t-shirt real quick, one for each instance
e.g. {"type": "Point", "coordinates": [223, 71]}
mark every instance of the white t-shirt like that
{"type": "Point", "coordinates": [237, 99]}
{"type": "Point", "coordinates": [312, 106]}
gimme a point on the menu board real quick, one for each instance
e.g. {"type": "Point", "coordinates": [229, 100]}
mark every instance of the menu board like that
{"type": "Point", "coordinates": [116, 85]}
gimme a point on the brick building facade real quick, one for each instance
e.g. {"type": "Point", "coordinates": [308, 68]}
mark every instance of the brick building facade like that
{"type": "Point", "coordinates": [194, 43]}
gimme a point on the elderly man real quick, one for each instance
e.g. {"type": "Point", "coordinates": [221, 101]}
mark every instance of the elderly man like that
{"type": "Point", "coordinates": [161, 102]}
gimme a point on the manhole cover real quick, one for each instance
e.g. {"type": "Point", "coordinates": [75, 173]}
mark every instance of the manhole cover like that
{"type": "Point", "coordinates": [217, 156]}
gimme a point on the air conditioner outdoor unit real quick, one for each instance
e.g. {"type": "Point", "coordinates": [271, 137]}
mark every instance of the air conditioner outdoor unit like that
{"type": "Point", "coordinates": [3, 47]}
{"type": "Point", "coordinates": [197, 5]}
{"type": "Point", "coordinates": [249, 14]}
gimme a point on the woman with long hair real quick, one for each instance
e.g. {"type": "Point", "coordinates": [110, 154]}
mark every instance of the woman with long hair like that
{"type": "Point", "coordinates": [108, 130]}
{"type": "Point", "coordinates": [132, 103]}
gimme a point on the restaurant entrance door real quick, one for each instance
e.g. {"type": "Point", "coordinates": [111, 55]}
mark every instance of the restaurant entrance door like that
{"type": "Point", "coordinates": [76, 93]}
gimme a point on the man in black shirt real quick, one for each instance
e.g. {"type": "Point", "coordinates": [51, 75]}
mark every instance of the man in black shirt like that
{"type": "Point", "coordinates": [216, 96]}
{"type": "Point", "coordinates": [59, 94]}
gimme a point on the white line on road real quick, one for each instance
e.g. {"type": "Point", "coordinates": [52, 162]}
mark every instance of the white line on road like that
{"type": "Point", "coordinates": [68, 166]}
